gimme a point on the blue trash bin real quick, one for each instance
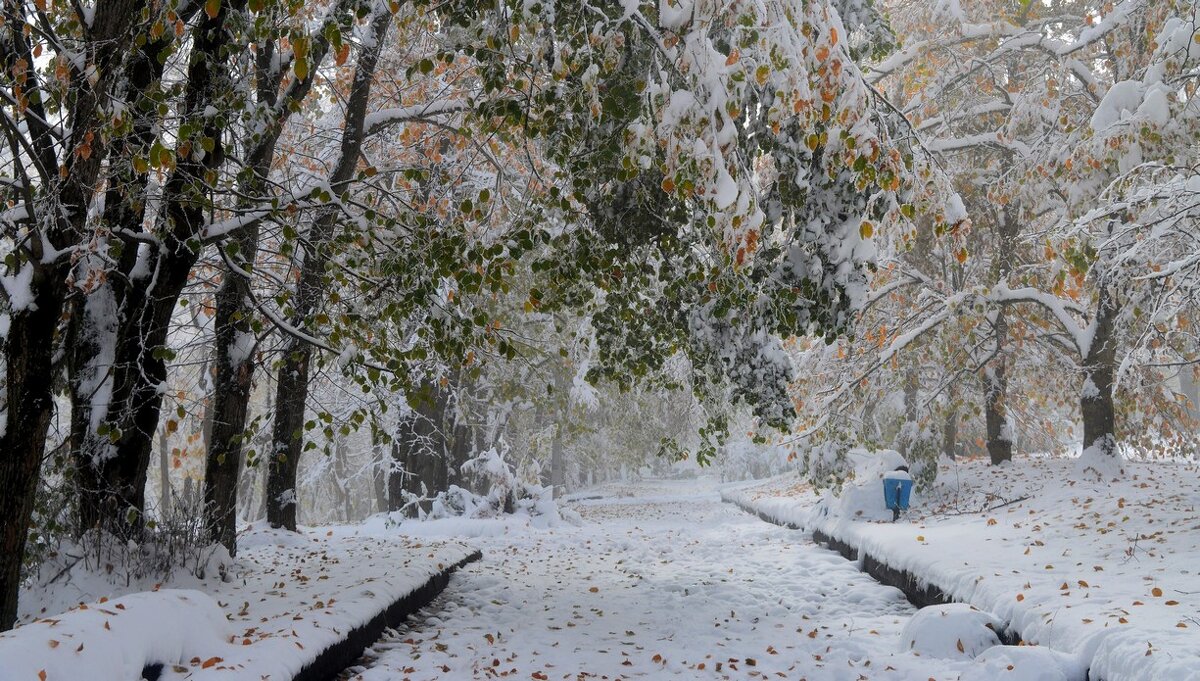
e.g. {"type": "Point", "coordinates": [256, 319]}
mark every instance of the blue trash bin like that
{"type": "Point", "coordinates": [897, 488]}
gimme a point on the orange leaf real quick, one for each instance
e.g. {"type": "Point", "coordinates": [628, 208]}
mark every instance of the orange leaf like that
{"type": "Point", "coordinates": [210, 662]}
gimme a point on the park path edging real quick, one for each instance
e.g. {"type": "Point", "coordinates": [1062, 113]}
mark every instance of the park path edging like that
{"type": "Point", "coordinates": [920, 592]}
{"type": "Point", "coordinates": [336, 658]}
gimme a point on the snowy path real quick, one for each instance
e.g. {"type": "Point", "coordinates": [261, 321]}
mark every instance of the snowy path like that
{"type": "Point", "coordinates": [667, 583]}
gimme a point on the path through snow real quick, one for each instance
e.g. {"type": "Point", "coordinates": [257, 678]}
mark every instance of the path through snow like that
{"type": "Point", "coordinates": [664, 582]}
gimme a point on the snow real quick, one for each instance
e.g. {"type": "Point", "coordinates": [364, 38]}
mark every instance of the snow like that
{"type": "Point", "coordinates": [1027, 663]}
{"type": "Point", "coordinates": [118, 638]}
{"type": "Point", "coordinates": [1100, 569]}
{"type": "Point", "coordinates": [17, 288]}
{"type": "Point", "coordinates": [955, 211]}
{"type": "Point", "coordinates": [952, 631]}
{"type": "Point", "coordinates": [289, 596]}
{"type": "Point", "coordinates": [661, 580]}
{"type": "Point", "coordinates": [241, 347]}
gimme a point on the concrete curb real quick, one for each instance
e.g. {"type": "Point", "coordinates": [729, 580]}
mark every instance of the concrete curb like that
{"type": "Point", "coordinates": [333, 660]}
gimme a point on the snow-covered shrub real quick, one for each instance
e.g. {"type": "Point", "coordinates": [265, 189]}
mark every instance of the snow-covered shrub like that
{"type": "Point", "coordinates": [826, 464]}
{"type": "Point", "coordinates": [508, 492]}
{"type": "Point", "coordinates": [495, 474]}
{"type": "Point", "coordinates": [951, 631]}
{"type": "Point", "coordinates": [176, 542]}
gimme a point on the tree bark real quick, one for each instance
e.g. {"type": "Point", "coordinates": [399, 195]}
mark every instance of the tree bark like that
{"type": "Point", "coordinates": [379, 469]}
{"type": "Point", "coordinates": [28, 353]}
{"type": "Point", "coordinates": [995, 374]}
{"type": "Point", "coordinates": [292, 393]}
{"type": "Point", "coordinates": [1099, 370]}
{"type": "Point", "coordinates": [995, 382]}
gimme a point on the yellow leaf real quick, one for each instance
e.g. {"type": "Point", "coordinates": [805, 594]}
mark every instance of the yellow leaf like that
{"type": "Point", "coordinates": [866, 230]}
{"type": "Point", "coordinates": [212, 8]}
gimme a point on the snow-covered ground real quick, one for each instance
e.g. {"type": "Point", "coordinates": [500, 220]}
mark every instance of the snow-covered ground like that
{"type": "Point", "coordinates": [289, 596]}
{"type": "Point", "coordinates": [663, 580]}
{"type": "Point", "coordinates": [1102, 569]}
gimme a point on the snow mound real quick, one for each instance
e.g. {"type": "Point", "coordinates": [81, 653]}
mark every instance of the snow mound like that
{"type": "Point", "coordinates": [952, 631]}
{"type": "Point", "coordinates": [1025, 663]}
{"type": "Point", "coordinates": [115, 640]}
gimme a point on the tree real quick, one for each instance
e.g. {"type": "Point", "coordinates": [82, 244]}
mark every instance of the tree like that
{"type": "Point", "coordinates": [48, 223]}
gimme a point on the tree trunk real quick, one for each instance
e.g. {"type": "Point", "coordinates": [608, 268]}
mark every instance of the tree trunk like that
{"type": "Point", "coordinates": [287, 440]}
{"type": "Point", "coordinates": [420, 465]}
{"type": "Point", "coordinates": [995, 374]}
{"type": "Point", "coordinates": [950, 429]}
{"type": "Point", "coordinates": [1099, 369]}
{"type": "Point", "coordinates": [912, 387]}
{"type": "Point", "coordinates": [401, 442]}
{"type": "Point", "coordinates": [995, 382]}
{"type": "Point", "coordinates": [231, 397]}
{"type": "Point", "coordinates": [113, 494]}
{"type": "Point", "coordinates": [234, 310]}
{"type": "Point", "coordinates": [30, 343]}
{"type": "Point", "coordinates": [28, 351]}
{"type": "Point", "coordinates": [558, 466]}
{"type": "Point", "coordinates": [288, 437]}
{"type": "Point", "coordinates": [379, 469]}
